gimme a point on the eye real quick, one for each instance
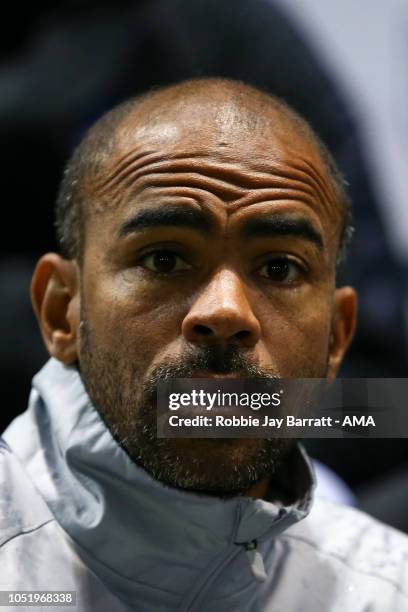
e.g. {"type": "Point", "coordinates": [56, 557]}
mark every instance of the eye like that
{"type": "Point", "coordinates": [164, 262]}
{"type": "Point", "coordinates": [281, 270]}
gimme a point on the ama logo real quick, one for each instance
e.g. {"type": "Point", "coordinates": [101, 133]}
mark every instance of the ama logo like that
{"type": "Point", "coordinates": [358, 421]}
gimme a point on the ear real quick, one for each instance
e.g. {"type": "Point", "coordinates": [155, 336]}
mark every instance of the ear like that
{"type": "Point", "coordinates": [342, 327]}
{"type": "Point", "coordinates": [56, 301]}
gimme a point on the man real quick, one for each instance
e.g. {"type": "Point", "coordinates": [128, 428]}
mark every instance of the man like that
{"type": "Point", "coordinates": [200, 228]}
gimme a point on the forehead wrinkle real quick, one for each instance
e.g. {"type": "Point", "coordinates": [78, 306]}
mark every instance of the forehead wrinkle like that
{"type": "Point", "coordinates": [320, 192]}
{"type": "Point", "coordinates": [186, 168]}
{"type": "Point", "coordinates": [203, 198]}
{"type": "Point", "coordinates": [326, 187]}
{"type": "Point", "coordinates": [287, 184]}
{"type": "Point", "coordinates": [183, 195]}
{"type": "Point", "coordinates": [276, 187]}
{"type": "Point", "coordinates": [262, 196]}
{"type": "Point", "coordinates": [201, 187]}
{"type": "Point", "coordinates": [231, 179]}
{"type": "Point", "coordinates": [223, 189]}
{"type": "Point", "coordinates": [226, 178]}
{"type": "Point", "coordinates": [129, 162]}
{"type": "Point", "coordinates": [241, 175]}
{"type": "Point", "coordinates": [121, 167]}
{"type": "Point", "coordinates": [323, 188]}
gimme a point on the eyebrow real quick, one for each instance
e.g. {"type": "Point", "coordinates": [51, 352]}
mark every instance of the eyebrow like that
{"type": "Point", "coordinates": [181, 216]}
{"type": "Point", "coordinates": [283, 225]}
{"type": "Point", "coordinates": [167, 216]}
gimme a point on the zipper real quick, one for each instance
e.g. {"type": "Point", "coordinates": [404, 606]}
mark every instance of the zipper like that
{"type": "Point", "coordinates": [255, 560]}
{"type": "Point", "coordinates": [253, 555]}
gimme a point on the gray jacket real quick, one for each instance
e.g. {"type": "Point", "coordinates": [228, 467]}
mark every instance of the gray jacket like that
{"type": "Point", "coordinates": [76, 514]}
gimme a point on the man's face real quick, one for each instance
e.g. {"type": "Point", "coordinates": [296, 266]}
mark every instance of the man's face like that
{"type": "Point", "coordinates": [210, 250]}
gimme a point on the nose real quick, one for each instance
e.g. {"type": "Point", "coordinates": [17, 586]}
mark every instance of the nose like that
{"type": "Point", "coordinates": [222, 312]}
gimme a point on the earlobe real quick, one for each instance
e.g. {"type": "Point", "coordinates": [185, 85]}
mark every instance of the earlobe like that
{"type": "Point", "coordinates": [342, 327]}
{"type": "Point", "coordinates": [56, 302]}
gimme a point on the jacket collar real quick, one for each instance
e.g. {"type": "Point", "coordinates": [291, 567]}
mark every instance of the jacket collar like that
{"type": "Point", "coordinates": [122, 521]}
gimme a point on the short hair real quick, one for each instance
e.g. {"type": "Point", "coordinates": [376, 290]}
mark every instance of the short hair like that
{"type": "Point", "coordinates": [100, 140]}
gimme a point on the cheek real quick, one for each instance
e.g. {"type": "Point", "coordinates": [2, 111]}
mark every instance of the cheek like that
{"type": "Point", "coordinates": [296, 337]}
{"type": "Point", "coordinates": [132, 322]}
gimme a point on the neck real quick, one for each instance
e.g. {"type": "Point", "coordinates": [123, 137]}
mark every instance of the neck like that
{"type": "Point", "coordinates": [260, 489]}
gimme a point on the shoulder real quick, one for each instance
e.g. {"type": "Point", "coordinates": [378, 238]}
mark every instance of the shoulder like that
{"type": "Point", "coordinates": [359, 545]}
{"type": "Point", "coordinates": [22, 510]}
{"type": "Point", "coordinates": [31, 541]}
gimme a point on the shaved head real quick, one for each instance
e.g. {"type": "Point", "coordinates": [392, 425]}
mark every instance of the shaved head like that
{"type": "Point", "coordinates": [216, 106]}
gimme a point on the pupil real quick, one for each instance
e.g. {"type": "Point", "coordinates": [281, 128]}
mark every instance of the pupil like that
{"type": "Point", "coordinates": [164, 261]}
{"type": "Point", "coordinates": [278, 269]}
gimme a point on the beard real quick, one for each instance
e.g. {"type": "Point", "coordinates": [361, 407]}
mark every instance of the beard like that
{"type": "Point", "coordinates": [127, 404]}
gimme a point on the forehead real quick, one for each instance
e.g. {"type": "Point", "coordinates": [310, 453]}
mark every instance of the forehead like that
{"type": "Point", "coordinates": [217, 155]}
{"type": "Point", "coordinates": [245, 131]}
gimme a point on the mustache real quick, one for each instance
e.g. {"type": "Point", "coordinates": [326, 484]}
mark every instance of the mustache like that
{"type": "Point", "coordinates": [214, 358]}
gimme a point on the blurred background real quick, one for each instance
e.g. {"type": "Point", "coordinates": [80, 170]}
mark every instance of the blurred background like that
{"type": "Point", "coordinates": [342, 65]}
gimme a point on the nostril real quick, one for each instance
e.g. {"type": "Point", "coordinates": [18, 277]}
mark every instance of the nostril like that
{"type": "Point", "coordinates": [202, 330]}
{"type": "Point", "coordinates": [242, 335]}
